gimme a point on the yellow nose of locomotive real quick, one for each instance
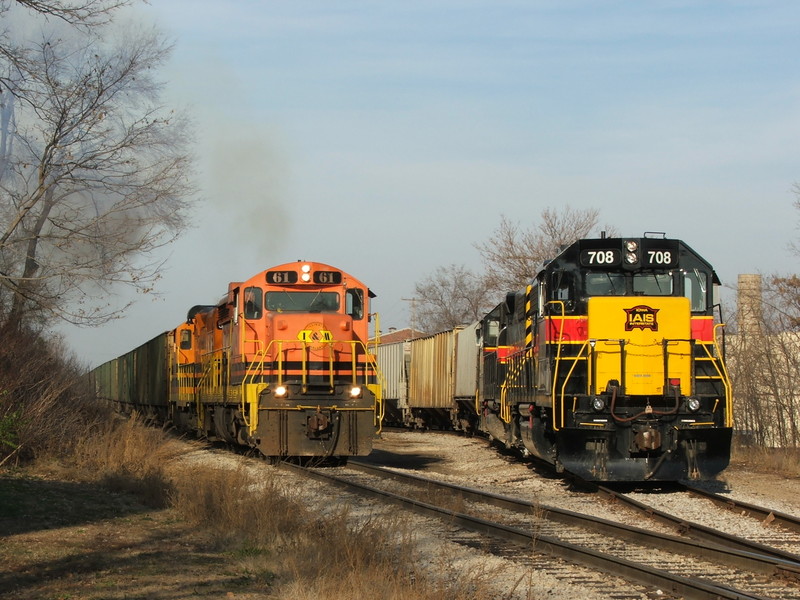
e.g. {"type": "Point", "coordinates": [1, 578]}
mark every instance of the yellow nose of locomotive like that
{"type": "Point", "coordinates": [642, 342]}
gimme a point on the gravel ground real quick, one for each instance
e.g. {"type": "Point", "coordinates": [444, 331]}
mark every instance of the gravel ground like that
{"type": "Point", "coordinates": [474, 462]}
{"type": "Point", "coordinates": [504, 579]}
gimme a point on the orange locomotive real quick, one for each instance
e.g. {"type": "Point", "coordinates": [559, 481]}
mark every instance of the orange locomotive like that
{"type": "Point", "coordinates": [280, 364]}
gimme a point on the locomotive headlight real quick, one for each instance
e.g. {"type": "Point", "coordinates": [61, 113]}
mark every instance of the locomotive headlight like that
{"type": "Point", "coordinates": [631, 258]}
{"type": "Point", "coordinates": [631, 246]}
{"type": "Point", "coordinates": [306, 273]}
{"type": "Point", "coordinates": [598, 403]}
{"type": "Point", "coordinates": [281, 391]}
{"type": "Point", "coordinates": [355, 392]}
{"type": "Point", "coordinates": [693, 404]}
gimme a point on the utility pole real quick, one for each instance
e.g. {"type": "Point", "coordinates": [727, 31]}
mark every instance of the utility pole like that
{"type": "Point", "coordinates": [413, 317]}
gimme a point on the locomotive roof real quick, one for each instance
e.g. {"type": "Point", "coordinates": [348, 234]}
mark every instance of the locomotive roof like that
{"type": "Point", "coordinates": [571, 252]}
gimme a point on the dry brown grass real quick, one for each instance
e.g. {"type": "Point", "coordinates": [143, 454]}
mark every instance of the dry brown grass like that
{"type": "Point", "coordinates": [264, 536]}
{"type": "Point", "coordinates": [44, 404]}
{"type": "Point", "coordinates": [779, 461]}
{"type": "Point", "coordinates": [234, 507]}
{"type": "Point", "coordinates": [336, 556]}
{"type": "Point", "coordinates": [125, 455]}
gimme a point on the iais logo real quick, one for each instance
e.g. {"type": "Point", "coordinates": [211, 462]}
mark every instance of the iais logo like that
{"type": "Point", "coordinates": [641, 317]}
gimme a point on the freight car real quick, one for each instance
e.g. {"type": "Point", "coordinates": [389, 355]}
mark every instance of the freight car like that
{"type": "Point", "coordinates": [281, 363]}
{"type": "Point", "coordinates": [608, 365]}
{"type": "Point", "coordinates": [431, 381]}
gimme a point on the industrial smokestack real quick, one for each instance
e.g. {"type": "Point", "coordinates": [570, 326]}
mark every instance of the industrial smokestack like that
{"type": "Point", "coordinates": [749, 300]}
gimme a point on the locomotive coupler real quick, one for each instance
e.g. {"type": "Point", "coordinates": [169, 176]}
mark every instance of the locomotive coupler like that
{"type": "Point", "coordinates": [318, 424]}
{"type": "Point", "coordinates": [646, 439]}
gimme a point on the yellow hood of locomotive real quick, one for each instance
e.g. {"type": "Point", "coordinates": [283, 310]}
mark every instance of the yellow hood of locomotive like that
{"type": "Point", "coordinates": [637, 338]}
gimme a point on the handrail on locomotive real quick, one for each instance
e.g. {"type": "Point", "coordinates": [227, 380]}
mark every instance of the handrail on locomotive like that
{"type": "Point", "coordinates": [368, 370]}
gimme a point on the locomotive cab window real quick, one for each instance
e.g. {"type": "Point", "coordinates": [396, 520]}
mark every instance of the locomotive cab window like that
{"type": "Point", "coordinates": [253, 304]}
{"type": "Point", "coordinates": [354, 303]}
{"type": "Point", "coordinates": [492, 333]}
{"type": "Point", "coordinates": [283, 301]}
{"type": "Point", "coordinates": [562, 291]}
{"type": "Point", "coordinates": [695, 287]}
{"type": "Point", "coordinates": [186, 339]}
{"type": "Point", "coordinates": [491, 327]}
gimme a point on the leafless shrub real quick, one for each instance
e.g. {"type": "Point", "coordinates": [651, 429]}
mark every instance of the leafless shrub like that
{"type": "Point", "coordinates": [764, 365]}
{"type": "Point", "coordinates": [125, 455]}
{"type": "Point", "coordinates": [44, 404]}
{"type": "Point", "coordinates": [780, 461]}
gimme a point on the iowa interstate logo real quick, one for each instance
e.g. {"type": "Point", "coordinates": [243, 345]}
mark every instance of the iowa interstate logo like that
{"type": "Point", "coordinates": [641, 317]}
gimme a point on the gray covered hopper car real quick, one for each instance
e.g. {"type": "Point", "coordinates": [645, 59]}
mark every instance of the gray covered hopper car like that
{"type": "Point", "coordinates": [441, 388]}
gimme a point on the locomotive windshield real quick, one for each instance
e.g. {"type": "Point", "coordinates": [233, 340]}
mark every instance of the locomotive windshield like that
{"type": "Point", "coordinates": [303, 301]}
{"type": "Point", "coordinates": [604, 283]}
{"type": "Point", "coordinates": [616, 284]}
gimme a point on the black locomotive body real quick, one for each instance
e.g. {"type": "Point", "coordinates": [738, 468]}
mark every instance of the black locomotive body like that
{"type": "Point", "coordinates": [608, 365]}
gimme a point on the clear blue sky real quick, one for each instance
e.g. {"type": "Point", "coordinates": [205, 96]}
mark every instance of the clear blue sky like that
{"type": "Point", "coordinates": [387, 138]}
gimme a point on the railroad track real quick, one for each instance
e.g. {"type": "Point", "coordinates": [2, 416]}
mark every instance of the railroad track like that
{"type": "Point", "coordinates": [765, 515]}
{"type": "Point", "coordinates": [771, 520]}
{"type": "Point", "coordinates": [711, 568]}
{"type": "Point", "coordinates": [704, 533]}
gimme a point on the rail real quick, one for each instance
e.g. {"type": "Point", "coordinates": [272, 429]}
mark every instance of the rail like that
{"type": "Point", "coordinates": [767, 516]}
{"type": "Point", "coordinates": [723, 372]}
{"type": "Point", "coordinates": [557, 364]}
{"type": "Point", "coordinates": [557, 545]}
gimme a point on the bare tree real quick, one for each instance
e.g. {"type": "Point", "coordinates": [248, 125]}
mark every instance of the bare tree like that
{"type": "Point", "coordinates": [513, 255]}
{"type": "Point", "coordinates": [80, 14]}
{"type": "Point", "coordinates": [764, 357]}
{"type": "Point", "coordinates": [783, 291]}
{"type": "Point", "coordinates": [449, 297]}
{"type": "Point", "coordinates": [94, 171]}
{"type": "Point", "coordinates": [764, 364]}
{"type": "Point", "coordinates": [75, 12]}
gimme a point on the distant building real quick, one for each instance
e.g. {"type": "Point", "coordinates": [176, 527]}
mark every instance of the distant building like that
{"type": "Point", "coordinates": [400, 335]}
